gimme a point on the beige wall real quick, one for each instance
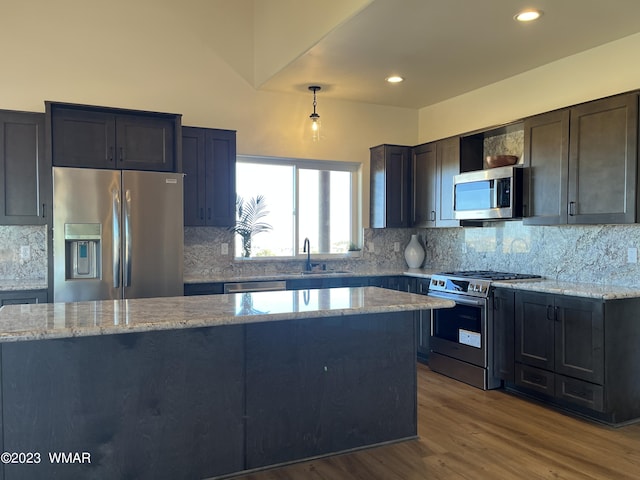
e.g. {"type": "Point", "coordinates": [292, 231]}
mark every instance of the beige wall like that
{"type": "Point", "coordinates": [168, 56]}
{"type": "Point", "coordinates": [606, 70]}
{"type": "Point", "coordinates": [194, 57]}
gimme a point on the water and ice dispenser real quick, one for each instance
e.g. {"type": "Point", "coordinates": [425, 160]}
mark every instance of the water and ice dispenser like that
{"type": "Point", "coordinates": [82, 250]}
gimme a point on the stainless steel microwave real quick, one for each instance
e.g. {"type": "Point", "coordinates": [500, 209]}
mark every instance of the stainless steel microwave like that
{"type": "Point", "coordinates": [492, 194]}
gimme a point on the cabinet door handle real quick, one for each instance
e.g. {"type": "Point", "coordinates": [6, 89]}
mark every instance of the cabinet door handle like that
{"type": "Point", "coordinates": [111, 154]}
{"type": "Point", "coordinates": [121, 154]}
{"type": "Point", "coordinates": [433, 215]}
{"type": "Point", "coordinates": [550, 312]}
{"type": "Point", "coordinates": [43, 214]}
{"type": "Point", "coordinates": [201, 213]}
{"type": "Point", "coordinates": [572, 208]}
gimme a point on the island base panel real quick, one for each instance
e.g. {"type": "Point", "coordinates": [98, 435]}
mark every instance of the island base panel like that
{"type": "Point", "coordinates": [320, 386]}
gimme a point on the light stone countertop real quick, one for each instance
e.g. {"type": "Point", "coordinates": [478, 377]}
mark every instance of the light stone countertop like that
{"type": "Point", "coordinates": [590, 290]}
{"type": "Point", "coordinates": [576, 289]}
{"type": "Point", "coordinates": [544, 285]}
{"type": "Point", "coordinates": [192, 279]}
{"type": "Point", "coordinates": [66, 320]}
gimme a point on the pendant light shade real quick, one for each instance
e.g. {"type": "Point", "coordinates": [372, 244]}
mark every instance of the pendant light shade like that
{"type": "Point", "coordinates": [315, 118]}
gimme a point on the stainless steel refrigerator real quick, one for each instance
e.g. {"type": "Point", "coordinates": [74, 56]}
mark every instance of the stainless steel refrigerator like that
{"type": "Point", "coordinates": [116, 234]}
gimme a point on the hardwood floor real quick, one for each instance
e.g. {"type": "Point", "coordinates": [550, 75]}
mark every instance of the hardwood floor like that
{"type": "Point", "coordinates": [466, 433]}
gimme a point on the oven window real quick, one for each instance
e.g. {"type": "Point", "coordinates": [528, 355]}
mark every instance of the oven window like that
{"type": "Point", "coordinates": [448, 322]}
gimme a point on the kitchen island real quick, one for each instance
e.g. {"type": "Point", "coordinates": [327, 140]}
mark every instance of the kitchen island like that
{"type": "Point", "coordinates": [207, 386]}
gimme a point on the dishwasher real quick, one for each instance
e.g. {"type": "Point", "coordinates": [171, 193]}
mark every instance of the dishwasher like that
{"type": "Point", "coordinates": [243, 287]}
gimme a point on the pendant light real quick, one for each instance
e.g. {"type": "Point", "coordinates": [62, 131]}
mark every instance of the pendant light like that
{"type": "Point", "coordinates": [315, 118]}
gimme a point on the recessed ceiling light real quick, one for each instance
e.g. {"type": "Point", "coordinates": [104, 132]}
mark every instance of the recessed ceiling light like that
{"type": "Point", "coordinates": [528, 15]}
{"type": "Point", "coordinates": [394, 79]}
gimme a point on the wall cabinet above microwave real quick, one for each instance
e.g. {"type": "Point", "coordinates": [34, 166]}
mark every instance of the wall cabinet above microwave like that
{"type": "Point", "coordinates": [434, 165]}
{"type": "Point", "coordinates": [582, 164]}
{"type": "Point", "coordinates": [96, 137]}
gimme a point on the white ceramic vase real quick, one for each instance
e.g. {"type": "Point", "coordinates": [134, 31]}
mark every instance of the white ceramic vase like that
{"type": "Point", "coordinates": [414, 253]}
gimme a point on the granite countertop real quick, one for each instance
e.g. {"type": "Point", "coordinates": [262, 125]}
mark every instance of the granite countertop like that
{"type": "Point", "coordinates": [576, 289]}
{"type": "Point", "coordinates": [66, 320]}
{"type": "Point", "coordinates": [189, 279]}
{"type": "Point", "coordinates": [544, 285]}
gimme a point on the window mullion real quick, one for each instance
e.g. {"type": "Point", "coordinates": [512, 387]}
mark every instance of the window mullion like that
{"type": "Point", "coordinates": [296, 209]}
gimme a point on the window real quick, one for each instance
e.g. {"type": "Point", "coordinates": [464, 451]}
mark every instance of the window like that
{"type": "Point", "coordinates": [318, 200]}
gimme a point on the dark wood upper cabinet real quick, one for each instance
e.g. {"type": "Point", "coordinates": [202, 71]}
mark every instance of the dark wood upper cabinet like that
{"type": "Point", "coordinates": [145, 143]}
{"type": "Point", "coordinates": [96, 137]}
{"type": "Point", "coordinates": [582, 164]}
{"type": "Point", "coordinates": [546, 154]}
{"type": "Point", "coordinates": [424, 170]}
{"type": "Point", "coordinates": [449, 163]}
{"type": "Point", "coordinates": [390, 186]}
{"type": "Point", "coordinates": [603, 156]}
{"type": "Point", "coordinates": [209, 164]}
{"type": "Point", "coordinates": [25, 176]}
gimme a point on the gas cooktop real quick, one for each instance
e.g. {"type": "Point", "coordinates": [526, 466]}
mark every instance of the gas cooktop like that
{"type": "Point", "coordinates": [488, 275]}
{"type": "Point", "coordinates": [471, 282]}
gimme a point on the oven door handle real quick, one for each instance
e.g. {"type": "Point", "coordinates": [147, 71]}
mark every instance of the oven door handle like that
{"type": "Point", "coordinates": [460, 299]}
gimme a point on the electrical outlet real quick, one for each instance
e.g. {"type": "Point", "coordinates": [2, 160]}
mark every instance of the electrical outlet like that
{"type": "Point", "coordinates": [632, 255]}
{"type": "Point", "coordinates": [396, 246]}
{"type": "Point", "coordinates": [25, 252]}
{"type": "Point", "coordinates": [224, 249]}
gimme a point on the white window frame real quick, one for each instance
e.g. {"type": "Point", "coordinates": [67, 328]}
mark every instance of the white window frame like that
{"type": "Point", "coordinates": [298, 163]}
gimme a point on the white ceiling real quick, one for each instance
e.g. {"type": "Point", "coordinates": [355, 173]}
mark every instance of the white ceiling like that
{"type": "Point", "coordinates": [444, 48]}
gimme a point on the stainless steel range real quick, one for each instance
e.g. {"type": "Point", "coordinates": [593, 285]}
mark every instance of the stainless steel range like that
{"type": "Point", "coordinates": [461, 336]}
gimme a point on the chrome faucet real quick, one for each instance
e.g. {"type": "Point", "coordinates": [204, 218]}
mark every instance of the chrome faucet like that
{"type": "Point", "coordinates": [306, 248]}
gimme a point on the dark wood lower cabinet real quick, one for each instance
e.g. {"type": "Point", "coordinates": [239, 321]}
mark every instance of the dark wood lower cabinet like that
{"type": "Point", "coordinates": [503, 334]}
{"type": "Point", "coordinates": [579, 354]}
{"type": "Point", "coordinates": [23, 296]}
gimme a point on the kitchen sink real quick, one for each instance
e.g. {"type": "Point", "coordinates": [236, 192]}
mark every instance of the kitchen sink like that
{"type": "Point", "coordinates": [323, 272]}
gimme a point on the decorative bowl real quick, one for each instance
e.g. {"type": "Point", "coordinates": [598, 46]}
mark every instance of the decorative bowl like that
{"type": "Point", "coordinates": [501, 160]}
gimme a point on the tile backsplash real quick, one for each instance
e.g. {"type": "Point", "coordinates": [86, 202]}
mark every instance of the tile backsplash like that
{"type": "Point", "coordinates": [204, 259]}
{"type": "Point", "coordinates": [588, 253]}
{"type": "Point", "coordinates": [16, 263]}
{"type": "Point", "coordinates": [583, 253]}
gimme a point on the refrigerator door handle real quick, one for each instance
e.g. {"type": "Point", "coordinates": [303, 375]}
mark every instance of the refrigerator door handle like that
{"type": "Point", "coordinates": [127, 238]}
{"type": "Point", "coordinates": [115, 205]}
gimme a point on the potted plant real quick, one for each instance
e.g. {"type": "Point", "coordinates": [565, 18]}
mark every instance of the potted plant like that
{"type": "Point", "coordinates": [248, 220]}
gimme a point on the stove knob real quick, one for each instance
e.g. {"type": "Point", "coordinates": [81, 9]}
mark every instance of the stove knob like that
{"type": "Point", "coordinates": [441, 283]}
